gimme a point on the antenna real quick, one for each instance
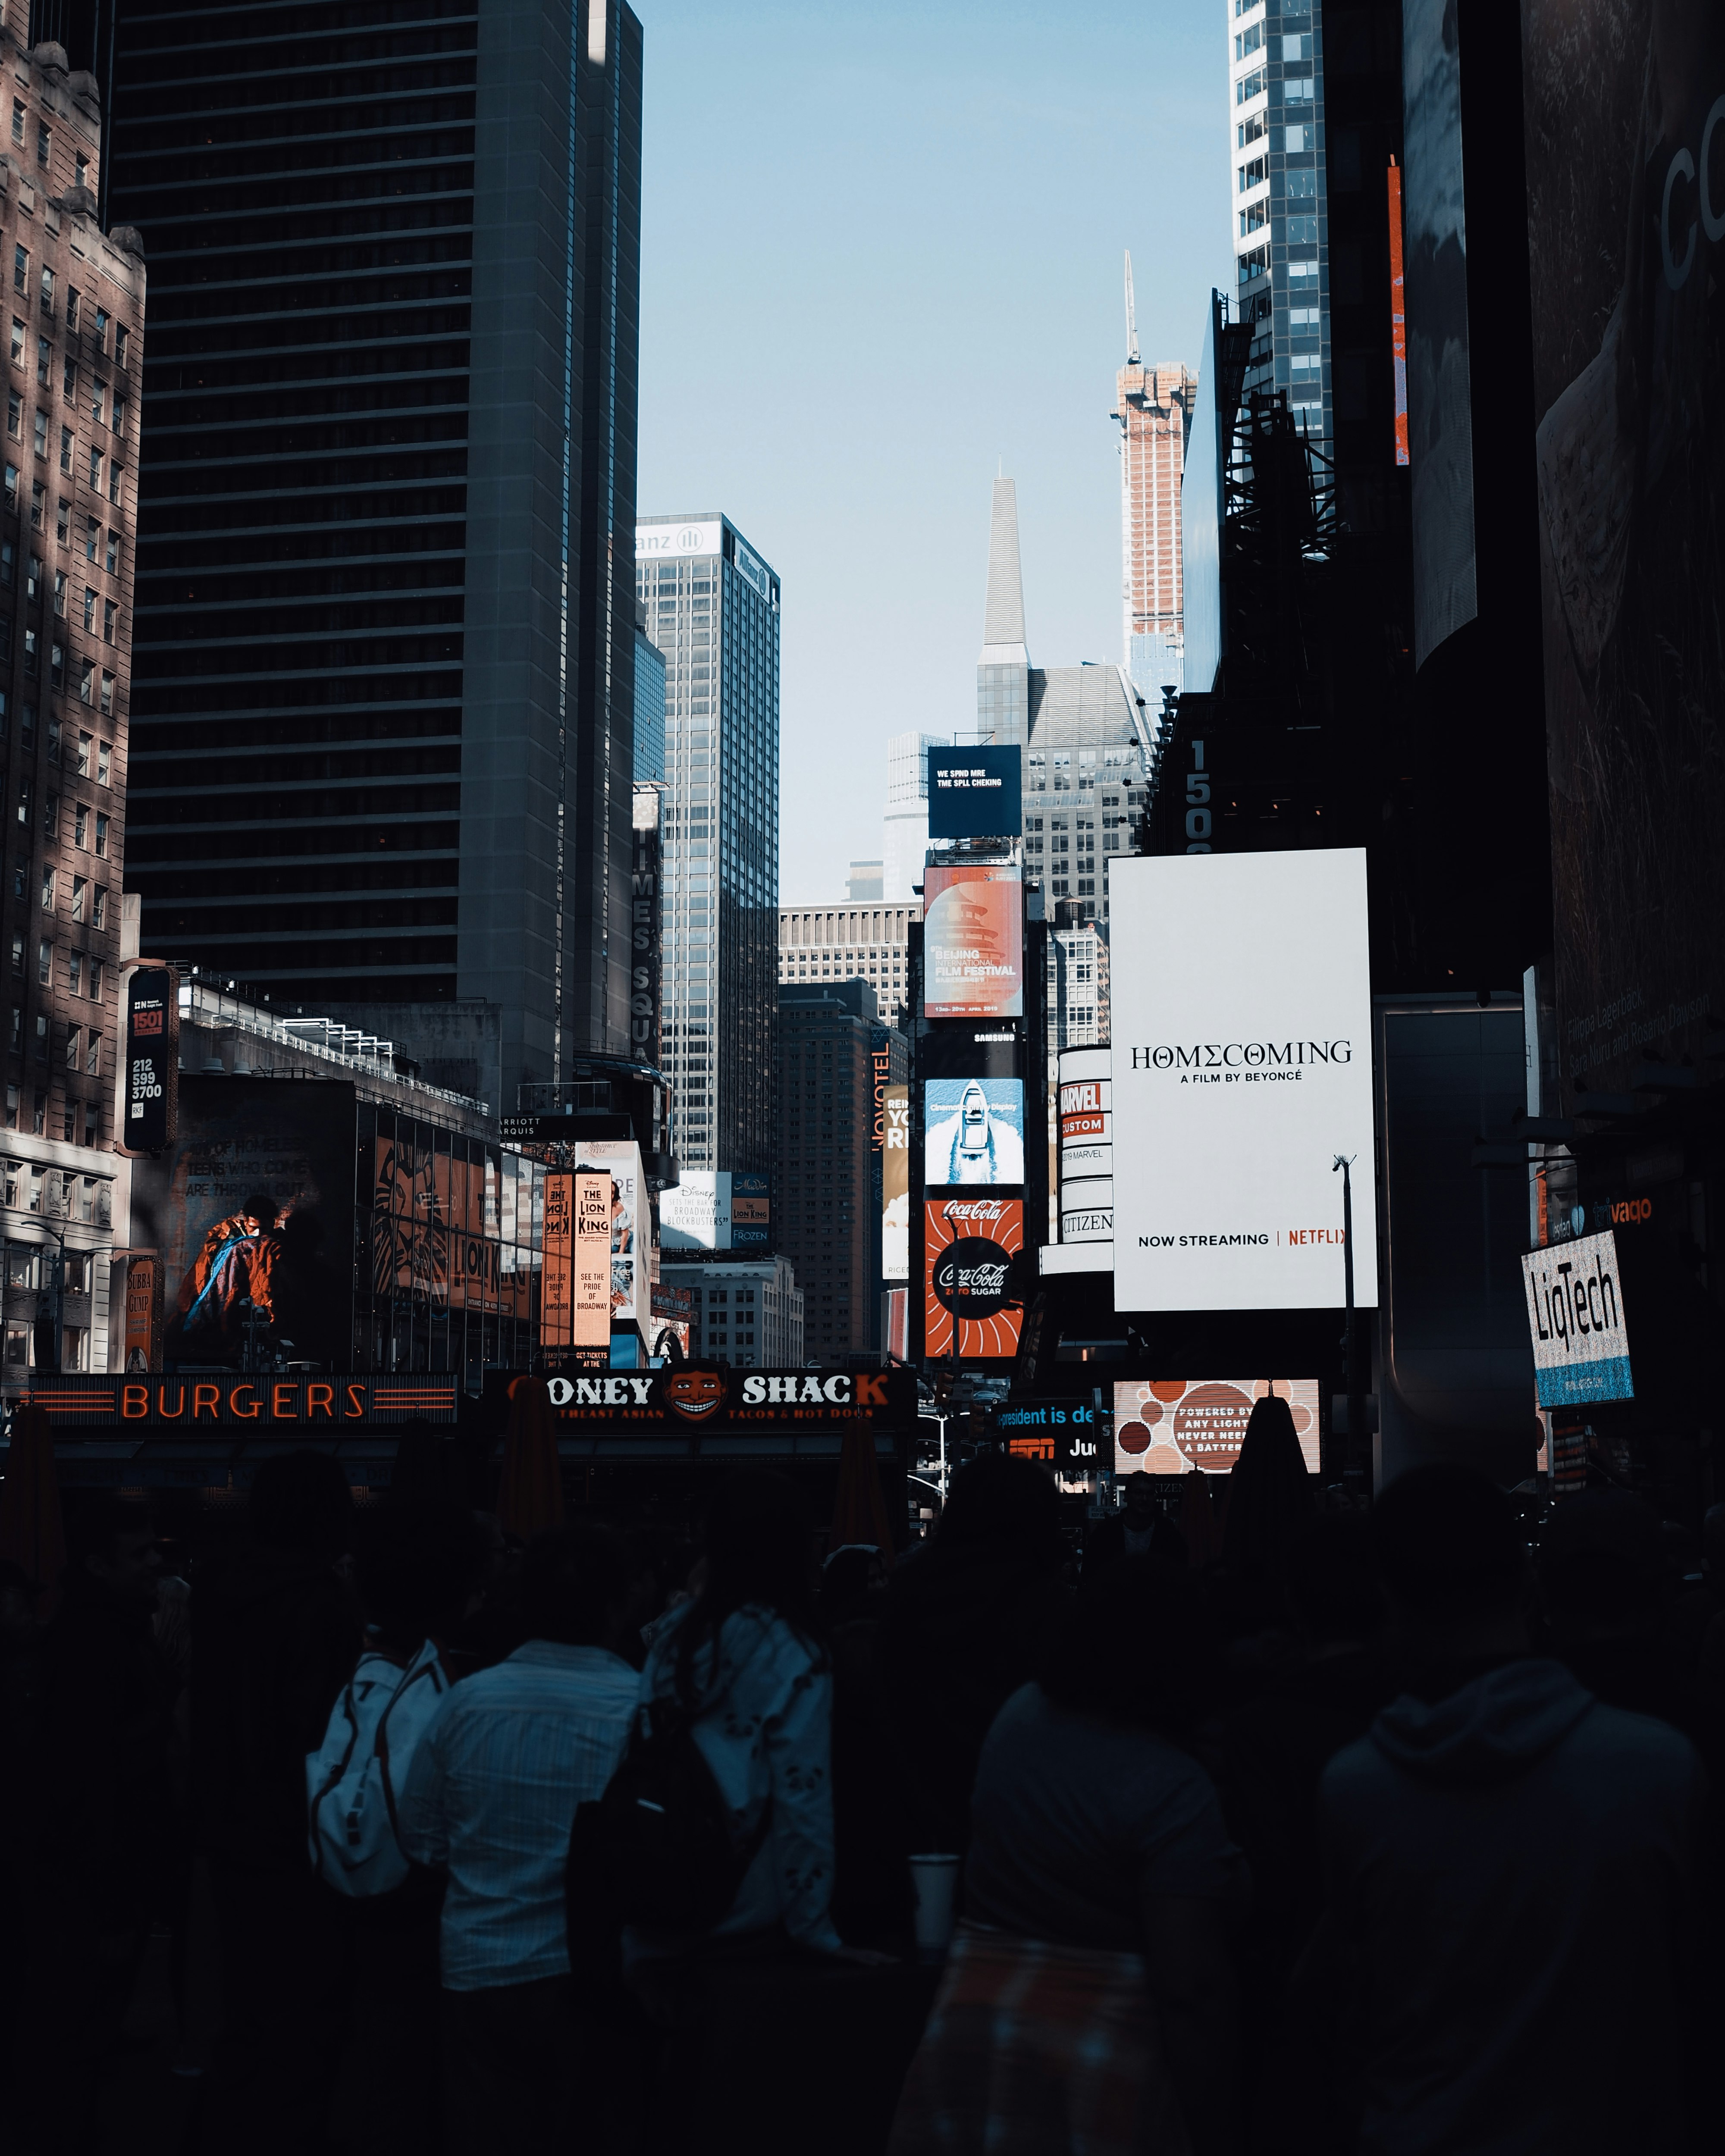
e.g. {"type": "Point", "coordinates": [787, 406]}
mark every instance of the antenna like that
{"type": "Point", "coordinates": [1131, 317]}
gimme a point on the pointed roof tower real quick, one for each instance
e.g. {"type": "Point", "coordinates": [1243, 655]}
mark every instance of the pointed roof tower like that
{"type": "Point", "coordinates": [1003, 620]}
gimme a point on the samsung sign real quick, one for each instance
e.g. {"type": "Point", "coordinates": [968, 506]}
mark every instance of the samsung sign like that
{"type": "Point", "coordinates": [1241, 1062]}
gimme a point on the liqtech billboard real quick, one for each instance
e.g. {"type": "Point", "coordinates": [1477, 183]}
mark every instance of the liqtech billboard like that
{"type": "Point", "coordinates": [1185, 1425]}
{"type": "Point", "coordinates": [968, 1245]}
{"type": "Point", "coordinates": [974, 1131]}
{"type": "Point", "coordinates": [1576, 1320]}
{"type": "Point", "coordinates": [975, 793]}
{"type": "Point", "coordinates": [1242, 1065]}
{"type": "Point", "coordinates": [973, 941]}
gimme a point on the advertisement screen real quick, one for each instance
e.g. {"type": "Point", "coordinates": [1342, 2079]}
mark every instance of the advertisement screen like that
{"type": "Point", "coordinates": [751, 1211]}
{"type": "Point", "coordinates": [969, 1052]}
{"type": "Point", "coordinates": [1242, 1063]}
{"type": "Point", "coordinates": [695, 1214]}
{"type": "Point", "coordinates": [968, 1244]}
{"type": "Point", "coordinates": [252, 1205]}
{"type": "Point", "coordinates": [895, 1186]}
{"type": "Point", "coordinates": [974, 1131]}
{"type": "Point", "coordinates": [1576, 1320]}
{"type": "Point", "coordinates": [973, 941]}
{"type": "Point", "coordinates": [620, 1159]}
{"type": "Point", "coordinates": [1181, 1426]}
{"type": "Point", "coordinates": [556, 1238]}
{"type": "Point", "coordinates": [974, 794]}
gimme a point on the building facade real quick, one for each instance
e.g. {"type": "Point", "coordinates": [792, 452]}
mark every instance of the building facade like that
{"type": "Point", "coordinates": [746, 1311]}
{"type": "Point", "coordinates": [1077, 987]}
{"type": "Point", "coordinates": [649, 704]}
{"type": "Point", "coordinates": [1153, 406]}
{"type": "Point", "coordinates": [828, 1218]}
{"type": "Point", "coordinates": [850, 943]}
{"type": "Point", "coordinates": [905, 831]}
{"type": "Point", "coordinates": [68, 527]}
{"type": "Point", "coordinates": [385, 700]}
{"type": "Point", "coordinates": [713, 608]}
{"type": "Point", "coordinates": [1279, 212]}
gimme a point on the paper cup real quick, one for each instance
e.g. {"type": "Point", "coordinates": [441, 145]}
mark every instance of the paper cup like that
{"type": "Point", "coordinates": [936, 1880]}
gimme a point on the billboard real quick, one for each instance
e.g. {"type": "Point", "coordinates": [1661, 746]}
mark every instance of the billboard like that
{"type": "Point", "coordinates": [1626, 257]}
{"type": "Point", "coordinates": [751, 1211]}
{"type": "Point", "coordinates": [974, 1131]}
{"type": "Point", "coordinates": [968, 1245]}
{"type": "Point", "coordinates": [148, 1086]}
{"type": "Point", "coordinates": [973, 941]}
{"type": "Point", "coordinates": [695, 1213]}
{"type": "Point", "coordinates": [895, 1186]}
{"type": "Point", "coordinates": [1087, 1112]}
{"type": "Point", "coordinates": [620, 1160]}
{"type": "Point", "coordinates": [657, 541]}
{"type": "Point", "coordinates": [556, 1271]}
{"type": "Point", "coordinates": [589, 1260]}
{"type": "Point", "coordinates": [969, 1052]}
{"type": "Point", "coordinates": [1575, 1318]}
{"type": "Point", "coordinates": [1242, 1065]}
{"type": "Point", "coordinates": [1181, 1426]}
{"type": "Point", "coordinates": [975, 793]}
{"type": "Point", "coordinates": [251, 1211]}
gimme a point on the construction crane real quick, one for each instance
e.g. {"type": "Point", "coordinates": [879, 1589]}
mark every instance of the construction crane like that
{"type": "Point", "coordinates": [1131, 317]}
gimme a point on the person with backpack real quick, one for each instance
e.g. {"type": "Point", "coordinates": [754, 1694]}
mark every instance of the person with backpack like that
{"type": "Point", "coordinates": [492, 1790]}
{"type": "Point", "coordinates": [728, 1785]}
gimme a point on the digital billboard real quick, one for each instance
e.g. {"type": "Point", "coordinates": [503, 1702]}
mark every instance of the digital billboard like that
{"type": "Point", "coordinates": [968, 1246]}
{"type": "Point", "coordinates": [1242, 1065]}
{"type": "Point", "coordinates": [1575, 1318]}
{"type": "Point", "coordinates": [974, 1050]}
{"type": "Point", "coordinates": [751, 1211]}
{"type": "Point", "coordinates": [895, 1185]}
{"type": "Point", "coordinates": [1182, 1426]}
{"type": "Point", "coordinates": [695, 1215]}
{"type": "Point", "coordinates": [620, 1159]}
{"type": "Point", "coordinates": [975, 793]}
{"type": "Point", "coordinates": [974, 1131]}
{"type": "Point", "coordinates": [973, 941]}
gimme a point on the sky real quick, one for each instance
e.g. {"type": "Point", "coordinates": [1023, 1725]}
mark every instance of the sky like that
{"type": "Point", "coordinates": [881, 254]}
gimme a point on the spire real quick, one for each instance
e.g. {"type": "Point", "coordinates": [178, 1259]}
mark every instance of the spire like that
{"type": "Point", "coordinates": [1131, 317]}
{"type": "Point", "coordinates": [1003, 622]}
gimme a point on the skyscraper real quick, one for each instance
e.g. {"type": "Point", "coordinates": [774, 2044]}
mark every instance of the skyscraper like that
{"type": "Point", "coordinates": [1279, 211]}
{"type": "Point", "coordinates": [869, 942]}
{"type": "Point", "coordinates": [712, 605]}
{"type": "Point", "coordinates": [1153, 406]}
{"type": "Point", "coordinates": [66, 550]}
{"type": "Point", "coordinates": [905, 828]}
{"type": "Point", "coordinates": [383, 710]}
{"type": "Point", "coordinates": [650, 704]}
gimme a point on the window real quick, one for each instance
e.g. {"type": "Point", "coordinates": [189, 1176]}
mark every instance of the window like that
{"type": "Point", "coordinates": [81, 165]}
{"type": "Point", "coordinates": [81, 892]}
{"type": "Point", "coordinates": [92, 537]}
{"type": "Point", "coordinates": [90, 596]}
{"type": "Point", "coordinates": [17, 967]}
{"type": "Point", "coordinates": [1298, 90]}
{"type": "Point", "coordinates": [1251, 174]}
{"type": "Point", "coordinates": [96, 471]}
{"type": "Point", "coordinates": [17, 341]}
{"type": "Point", "coordinates": [1249, 86]}
{"type": "Point", "coordinates": [48, 876]}
{"type": "Point", "coordinates": [32, 663]}
{"type": "Point", "coordinates": [54, 741]}
{"type": "Point", "coordinates": [101, 845]}
{"type": "Point", "coordinates": [44, 361]}
{"type": "Point", "coordinates": [56, 666]}
{"type": "Point", "coordinates": [18, 1334]}
{"type": "Point", "coordinates": [73, 1343]}
{"type": "Point", "coordinates": [72, 307]}
{"type": "Point", "coordinates": [65, 449]}
{"type": "Point", "coordinates": [80, 826]}
{"type": "Point", "coordinates": [1249, 41]}
{"type": "Point", "coordinates": [46, 290]}
{"type": "Point", "coordinates": [14, 415]}
{"type": "Point", "coordinates": [104, 752]}
{"type": "Point", "coordinates": [1253, 216]}
{"type": "Point", "coordinates": [86, 679]}
{"type": "Point", "coordinates": [12, 1108]}
{"type": "Point", "coordinates": [95, 997]}
{"type": "Point", "coordinates": [20, 269]}
{"type": "Point", "coordinates": [101, 909]}
{"type": "Point", "coordinates": [38, 505]}
{"type": "Point", "coordinates": [63, 522]}
{"type": "Point", "coordinates": [107, 694]}
{"type": "Point", "coordinates": [12, 488]}
{"type": "Point", "coordinates": [44, 143]}
{"type": "Point", "coordinates": [17, 120]}
{"type": "Point", "coordinates": [100, 327]}
{"type": "Point", "coordinates": [68, 382]}
{"type": "Point", "coordinates": [1303, 182]}
{"type": "Point", "coordinates": [45, 970]}
{"type": "Point", "coordinates": [60, 593]}
{"type": "Point", "coordinates": [98, 401]}
{"type": "Point", "coordinates": [116, 480]}
{"type": "Point", "coordinates": [41, 434]}
{"type": "Point", "coordinates": [41, 1050]}
{"type": "Point", "coordinates": [50, 816]}
{"type": "Point", "coordinates": [108, 611]}
{"type": "Point", "coordinates": [122, 338]}
{"type": "Point", "coordinates": [113, 560]}
{"type": "Point", "coordinates": [75, 1034]}
{"type": "Point", "coordinates": [83, 756]}
{"type": "Point", "coordinates": [120, 415]}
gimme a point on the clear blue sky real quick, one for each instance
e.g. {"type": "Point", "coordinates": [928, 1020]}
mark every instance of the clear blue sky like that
{"type": "Point", "coordinates": [881, 251]}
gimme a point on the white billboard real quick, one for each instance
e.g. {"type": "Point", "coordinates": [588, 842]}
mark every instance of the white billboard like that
{"type": "Point", "coordinates": [631, 1223]}
{"type": "Point", "coordinates": [655, 541]}
{"type": "Point", "coordinates": [695, 1215]}
{"type": "Point", "coordinates": [1242, 1066]}
{"type": "Point", "coordinates": [1575, 1318]}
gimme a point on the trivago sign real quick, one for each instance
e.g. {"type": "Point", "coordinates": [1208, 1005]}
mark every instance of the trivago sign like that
{"type": "Point", "coordinates": [1575, 1315]}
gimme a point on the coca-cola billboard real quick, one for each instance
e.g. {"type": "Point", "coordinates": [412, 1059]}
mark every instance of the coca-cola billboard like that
{"type": "Point", "coordinates": [969, 1245]}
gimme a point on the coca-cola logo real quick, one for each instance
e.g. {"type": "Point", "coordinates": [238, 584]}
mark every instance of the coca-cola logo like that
{"type": "Point", "coordinates": [976, 1208]}
{"type": "Point", "coordinates": [970, 1275]}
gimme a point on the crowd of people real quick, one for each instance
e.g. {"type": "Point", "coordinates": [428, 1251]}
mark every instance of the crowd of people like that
{"type": "Point", "coordinates": [1304, 1831]}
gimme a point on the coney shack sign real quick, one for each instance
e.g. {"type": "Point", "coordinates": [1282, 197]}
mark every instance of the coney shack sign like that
{"type": "Point", "coordinates": [693, 1399]}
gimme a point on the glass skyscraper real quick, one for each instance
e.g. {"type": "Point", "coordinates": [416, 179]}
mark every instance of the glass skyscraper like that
{"type": "Point", "coordinates": [383, 710]}
{"type": "Point", "coordinates": [712, 608]}
{"type": "Point", "coordinates": [1279, 213]}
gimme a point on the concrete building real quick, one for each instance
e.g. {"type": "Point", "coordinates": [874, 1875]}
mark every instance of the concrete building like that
{"type": "Point", "coordinates": [748, 1312]}
{"type": "Point", "coordinates": [865, 883]}
{"type": "Point", "coordinates": [713, 605]}
{"type": "Point", "coordinates": [649, 704]}
{"type": "Point", "coordinates": [384, 713]}
{"type": "Point", "coordinates": [867, 943]}
{"type": "Point", "coordinates": [68, 528]}
{"type": "Point", "coordinates": [1077, 987]}
{"type": "Point", "coordinates": [1278, 211]}
{"type": "Point", "coordinates": [905, 832]}
{"type": "Point", "coordinates": [828, 1219]}
{"type": "Point", "coordinates": [1153, 406]}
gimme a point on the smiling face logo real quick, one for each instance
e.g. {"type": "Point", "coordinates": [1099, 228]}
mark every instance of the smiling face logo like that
{"type": "Point", "coordinates": [695, 1393]}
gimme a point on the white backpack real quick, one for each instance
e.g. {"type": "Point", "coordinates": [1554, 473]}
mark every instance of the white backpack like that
{"type": "Point", "coordinates": [353, 1778]}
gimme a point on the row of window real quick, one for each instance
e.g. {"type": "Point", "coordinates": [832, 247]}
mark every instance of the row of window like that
{"type": "Point", "coordinates": [87, 824]}
{"type": "Point", "coordinates": [96, 684]}
{"type": "Point", "coordinates": [85, 904]}
{"type": "Point", "coordinates": [38, 493]}
{"type": "Point", "coordinates": [100, 322]}
{"type": "Point", "coordinates": [79, 968]}
{"type": "Point", "coordinates": [95, 547]}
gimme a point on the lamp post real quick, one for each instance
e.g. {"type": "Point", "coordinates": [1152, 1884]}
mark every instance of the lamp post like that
{"type": "Point", "coordinates": [1354, 1476]}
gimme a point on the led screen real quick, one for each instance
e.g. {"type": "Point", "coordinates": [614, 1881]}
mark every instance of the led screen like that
{"type": "Point", "coordinates": [974, 1131]}
{"type": "Point", "coordinates": [1181, 1426]}
{"type": "Point", "coordinates": [973, 941]}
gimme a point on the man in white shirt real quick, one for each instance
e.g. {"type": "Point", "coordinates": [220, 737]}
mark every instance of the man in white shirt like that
{"type": "Point", "coordinates": [491, 1796]}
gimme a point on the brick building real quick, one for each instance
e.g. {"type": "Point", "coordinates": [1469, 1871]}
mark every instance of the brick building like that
{"type": "Point", "coordinates": [66, 532]}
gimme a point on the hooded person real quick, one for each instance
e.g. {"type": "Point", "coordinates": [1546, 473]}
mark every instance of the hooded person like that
{"type": "Point", "coordinates": [1504, 1854]}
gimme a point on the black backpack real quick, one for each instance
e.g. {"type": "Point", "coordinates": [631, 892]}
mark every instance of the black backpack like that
{"type": "Point", "coordinates": [656, 1850]}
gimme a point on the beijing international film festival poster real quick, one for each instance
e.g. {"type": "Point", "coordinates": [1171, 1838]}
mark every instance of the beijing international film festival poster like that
{"type": "Point", "coordinates": [1242, 1068]}
{"type": "Point", "coordinates": [973, 941]}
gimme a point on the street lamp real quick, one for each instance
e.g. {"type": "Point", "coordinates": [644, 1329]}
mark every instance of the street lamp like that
{"type": "Point", "coordinates": [1353, 1475]}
